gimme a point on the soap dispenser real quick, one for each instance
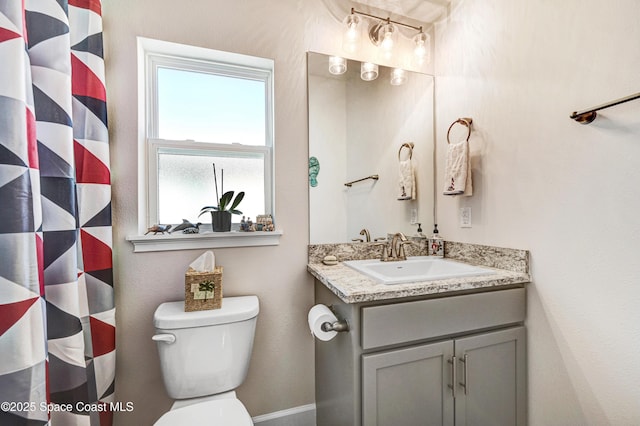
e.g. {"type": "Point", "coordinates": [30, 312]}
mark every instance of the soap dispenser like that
{"type": "Point", "coordinates": [436, 243]}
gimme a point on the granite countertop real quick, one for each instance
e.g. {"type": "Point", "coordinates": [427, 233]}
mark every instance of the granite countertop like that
{"type": "Point", "coordinates": [511, 269]}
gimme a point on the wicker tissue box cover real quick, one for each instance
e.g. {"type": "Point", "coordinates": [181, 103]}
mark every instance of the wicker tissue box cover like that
{"type": "Point", "coordinates": [203, 290]}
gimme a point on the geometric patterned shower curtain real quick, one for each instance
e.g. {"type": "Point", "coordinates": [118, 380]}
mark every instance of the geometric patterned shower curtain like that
{"type": "Point", "coordinates": [57, 315]}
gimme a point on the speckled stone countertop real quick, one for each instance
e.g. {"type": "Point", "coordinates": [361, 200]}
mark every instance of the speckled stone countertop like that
{"type": "Point", "coordinates": [511, 267]}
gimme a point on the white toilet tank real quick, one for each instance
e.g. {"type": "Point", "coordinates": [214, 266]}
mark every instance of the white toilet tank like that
{"type": "Point", "coordinates": [205, 352]}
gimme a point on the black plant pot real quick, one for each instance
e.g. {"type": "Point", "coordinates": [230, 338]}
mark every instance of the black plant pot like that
{"type": "Point", "coordinates": [221, 221]}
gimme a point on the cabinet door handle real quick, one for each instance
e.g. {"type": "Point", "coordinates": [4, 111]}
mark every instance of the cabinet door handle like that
{"type": "Point", "coordinates": [464, 360]}
{"type": "Point", "coordinates": [452, 386]}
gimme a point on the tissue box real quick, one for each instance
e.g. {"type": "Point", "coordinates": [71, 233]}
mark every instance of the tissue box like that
{"type": "Point", "coordinates": [203, 290]}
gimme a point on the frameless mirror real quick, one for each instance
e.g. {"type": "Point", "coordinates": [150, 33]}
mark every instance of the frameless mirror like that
{"type": "Point", "coordinates": [356, 130]}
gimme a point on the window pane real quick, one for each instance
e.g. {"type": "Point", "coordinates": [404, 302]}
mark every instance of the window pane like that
{"type": "Point", "coordinates": [185, 185]}
{"type": "Point", "coordinates": [210, 108]}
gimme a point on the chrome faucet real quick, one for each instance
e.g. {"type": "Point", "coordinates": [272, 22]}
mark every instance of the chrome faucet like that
{"type": "Point", "coordinates": [366, 233]}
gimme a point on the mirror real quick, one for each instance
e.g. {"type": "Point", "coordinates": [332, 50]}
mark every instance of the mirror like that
{"type": "Point", "coordinates": [356, 130]}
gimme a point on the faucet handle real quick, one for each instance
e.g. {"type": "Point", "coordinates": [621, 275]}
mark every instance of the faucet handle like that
{"type": "Point", "coordinates": [384, 256]}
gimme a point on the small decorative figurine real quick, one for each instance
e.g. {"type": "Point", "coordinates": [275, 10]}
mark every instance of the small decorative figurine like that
{"type": "Point", "coordinates": [195, 229]}
{"type": "Point", "coordinates": [158, 228]}
{"type": "Point", "coordinates": [250, 226]}
{"type": "Point", "coordinates": [264, 223]}
{"type": "Point", "coordinates": [243, 225]}
{"type": "Point", "coordinates": [184, 225]}
{"type": "Point", "coordinates": [314, 169]}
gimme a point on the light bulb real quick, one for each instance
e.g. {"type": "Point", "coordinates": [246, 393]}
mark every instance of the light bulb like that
{"type": "Point", "coordinates": [351, 37]}
{"type": "Point", "coordinates": [387, 37]}
{"type": "Point", "coordinates": [422, 49]}
{"type": "Point", "coordinates": [337, 65]}
{"type": "Point", "coordinates": [398, 77]}
{"type": "Point", "coordinates": [368, 71]}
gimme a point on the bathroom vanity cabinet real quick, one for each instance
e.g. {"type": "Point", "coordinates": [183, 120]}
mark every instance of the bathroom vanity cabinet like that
{"type": "Point", "coordinates": [449, 360]}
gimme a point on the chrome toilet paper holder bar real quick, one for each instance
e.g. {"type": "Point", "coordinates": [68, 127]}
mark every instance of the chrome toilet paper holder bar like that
{"type": "Point", "coordinates": [335, 326]}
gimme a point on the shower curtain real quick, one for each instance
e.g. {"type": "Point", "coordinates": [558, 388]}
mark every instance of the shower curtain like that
{"type": "Point", "coordinates": [57, 315]}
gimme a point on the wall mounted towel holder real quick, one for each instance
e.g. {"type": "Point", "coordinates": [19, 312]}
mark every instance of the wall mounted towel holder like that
{"type": "Point", "coordinates": [374, 177]}
{"type": "Point", "coordinates": [408, 145]}
{"type": "Point", "coordinates": [588, 115]}
{"type": "Point", "coordinates": [465, 121]}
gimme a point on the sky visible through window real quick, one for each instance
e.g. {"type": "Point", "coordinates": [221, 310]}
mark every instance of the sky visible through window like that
{"type": "Point", "coordinates": [210, 108]}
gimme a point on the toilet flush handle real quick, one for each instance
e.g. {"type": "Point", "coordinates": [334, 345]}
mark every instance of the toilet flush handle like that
{"type": "Point", "coordinates": [168, 338]}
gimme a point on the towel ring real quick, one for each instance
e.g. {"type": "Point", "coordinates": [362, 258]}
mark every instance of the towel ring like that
{"type": "Point", "coordinates": [406, 145]}
{"type": "Point", "coordinates": [464, 121]}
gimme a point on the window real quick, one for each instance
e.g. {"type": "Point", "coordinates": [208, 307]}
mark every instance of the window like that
{"type": "Point", "coordinates": [205, 107]}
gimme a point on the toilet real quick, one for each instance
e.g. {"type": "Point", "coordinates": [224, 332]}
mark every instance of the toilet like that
{"type": "Point", "coordinates": [204, 357]}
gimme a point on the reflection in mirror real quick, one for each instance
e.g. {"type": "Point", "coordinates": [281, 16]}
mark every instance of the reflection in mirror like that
{"type": "Point", "coordinates": [356, 130]}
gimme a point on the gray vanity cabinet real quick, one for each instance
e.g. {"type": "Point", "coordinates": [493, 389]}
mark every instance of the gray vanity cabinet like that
{"type": "Point", "coordinates": [492, 379]}
{"type": "Point", "coordinates": [408, 386]}
{"type": "Point", "coordinates": [455, 360]}
{"type": "Point", "coordinates": [477, 380]}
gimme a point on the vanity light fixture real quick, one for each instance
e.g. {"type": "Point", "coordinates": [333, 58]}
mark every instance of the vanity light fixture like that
{"type": "Point", "coordinates": [337, 65]}
{"type": "Point", "coordinates": [351, 37]}
{"type": "Point", "coordinates": [383, 33]}
{"type": "Point", "coordinates": [423, 47]}
{"type": "Point", "coordinates": [368, 71]}
{"type": "Point", "coordinates": [398, 77]}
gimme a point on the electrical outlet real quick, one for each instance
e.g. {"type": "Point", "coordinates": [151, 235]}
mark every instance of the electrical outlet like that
{"type": "Point", "coordinates": [465, 217]}
{"type": "Point", "coordinates": [414, 216]}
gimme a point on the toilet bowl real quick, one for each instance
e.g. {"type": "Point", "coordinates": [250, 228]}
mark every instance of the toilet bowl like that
{"type": "Point", "coordinates": [204, 356]}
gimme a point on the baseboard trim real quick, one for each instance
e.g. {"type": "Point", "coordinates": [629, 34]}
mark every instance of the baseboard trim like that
{"type": "Point", "coordinates": [303, 415]}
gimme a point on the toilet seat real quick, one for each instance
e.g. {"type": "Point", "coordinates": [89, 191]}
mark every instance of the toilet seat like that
{"type": "Point", "coordinates": [223, 412]}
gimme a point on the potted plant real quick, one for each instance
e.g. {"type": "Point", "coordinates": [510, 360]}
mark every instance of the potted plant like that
{"type": "Point", "coordinates": [221, 214]}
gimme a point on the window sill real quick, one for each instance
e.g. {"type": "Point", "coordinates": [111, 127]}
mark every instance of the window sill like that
{"type": "Point", "coordinates": [167, 242]}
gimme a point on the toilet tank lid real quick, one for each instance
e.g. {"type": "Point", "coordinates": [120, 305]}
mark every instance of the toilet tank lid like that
{"type": "Point", "coordinates": [171, 315]}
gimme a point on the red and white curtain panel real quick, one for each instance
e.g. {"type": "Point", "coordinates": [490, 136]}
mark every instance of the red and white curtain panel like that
{"type": "Point", "coordinates": [57, 315]}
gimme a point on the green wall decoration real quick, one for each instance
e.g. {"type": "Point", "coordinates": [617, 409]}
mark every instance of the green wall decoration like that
{"type": "Point", "coordinates": [314, 169]}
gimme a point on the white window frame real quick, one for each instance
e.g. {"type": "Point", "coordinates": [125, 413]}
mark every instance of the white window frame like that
{"type": "Point", "coordinates": [153, 54]}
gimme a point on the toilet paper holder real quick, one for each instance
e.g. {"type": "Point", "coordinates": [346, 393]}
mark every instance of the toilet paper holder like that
{"type": "Point", "coordinates": [335, 326]}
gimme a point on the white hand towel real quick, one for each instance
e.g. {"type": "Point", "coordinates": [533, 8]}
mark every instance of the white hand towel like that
{"type": "Point", "coordinates": [457, 175]}
{"type": "Point", "coordinates": [407, 181]}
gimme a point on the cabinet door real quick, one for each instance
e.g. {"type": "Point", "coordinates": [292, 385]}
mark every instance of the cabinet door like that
{"type": "Point", "coordinates": [408, 387]}
{"type": "Point", "coordinates": [492, 379]}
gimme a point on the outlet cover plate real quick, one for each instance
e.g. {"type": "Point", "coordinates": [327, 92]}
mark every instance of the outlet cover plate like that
{"type": "Point", "coordinates": [465, 217]}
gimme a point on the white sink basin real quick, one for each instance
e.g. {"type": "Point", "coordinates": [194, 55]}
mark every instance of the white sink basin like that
{"type": "Point", "coordinates": [418, 268]}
